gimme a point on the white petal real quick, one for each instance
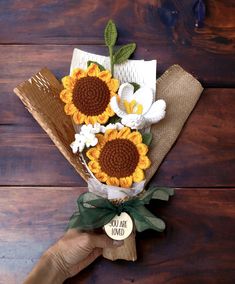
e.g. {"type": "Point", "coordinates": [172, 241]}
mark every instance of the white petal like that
{"type": "Point", "coordinates": [115, 107]}
{"type": "Point", "coordinates": [81, 147]}
{"type": "Point", "coordinates": [110, 126]}
{"type": "Point", "coordinates": [74, 147]}
{"type": "Point", "coordinates": [145, 97]}
{"type": "Point", "coordinates": [86, 129]}
{"type": "Point", "coordinates": [156, 113]}
{"type": "Point", "coordinates": [96, 128]}
{"type": "Point", "coordinates": [102, 128]}
{"type": "Point", "coordinates": [134, 121]}
{"type": "Point", "coordinates": [126, 92]}
{"type": "Point", "coordinates": [77, 136]}
{"type": "Point", "coordinates": [94, 142]}
{"type": "Point", "coordinates": [126, 89]}
{"type": "Point", "coordinates": [119, 125]}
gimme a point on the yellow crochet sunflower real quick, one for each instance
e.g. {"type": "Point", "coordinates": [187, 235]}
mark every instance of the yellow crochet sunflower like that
{"type": "Point", "coordinates": [119, 158]}
{"type": "Point", "coordinates": [87, 94]}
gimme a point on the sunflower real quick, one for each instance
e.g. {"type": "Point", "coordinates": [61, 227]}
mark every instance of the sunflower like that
{"type": "Point", "coordinates": [87, 94]}
{"type": "Point", "coordinates": [119, 158]}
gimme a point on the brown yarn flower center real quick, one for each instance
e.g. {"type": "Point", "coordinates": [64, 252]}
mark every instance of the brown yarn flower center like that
{"type": "Point", "coordinates": [91, 96]}
{"type": "Point", "coordinates": [119, 158]}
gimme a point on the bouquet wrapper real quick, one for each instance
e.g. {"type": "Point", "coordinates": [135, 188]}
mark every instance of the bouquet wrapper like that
{"type": "Point", "coordinates": [179, 89]}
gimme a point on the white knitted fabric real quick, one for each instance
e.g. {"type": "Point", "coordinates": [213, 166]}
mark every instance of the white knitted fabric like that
{"type": "Point", "coordinates": [138, 71]}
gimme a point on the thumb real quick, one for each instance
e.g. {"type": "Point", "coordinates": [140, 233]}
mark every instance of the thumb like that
{"type": "Point", "coordinates": [103, 241]}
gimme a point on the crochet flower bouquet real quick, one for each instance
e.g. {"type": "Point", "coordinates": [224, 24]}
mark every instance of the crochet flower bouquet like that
{"type": "Point", "coordinates": [113, 125]}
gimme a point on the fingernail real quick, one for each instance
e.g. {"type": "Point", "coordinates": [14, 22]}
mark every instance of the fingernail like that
{"type": "Point", "coordinates": [118, 243]}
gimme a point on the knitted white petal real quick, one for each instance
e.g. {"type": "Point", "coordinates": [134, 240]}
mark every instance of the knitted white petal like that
{"type": "Point", "coordinates": [145, 97]}
{"type": "Point", "coordinates": [115, 107]}
{"type": "Point", "coordinates": [156, 113]}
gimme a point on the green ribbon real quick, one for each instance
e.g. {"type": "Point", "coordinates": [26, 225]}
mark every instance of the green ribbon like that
{"type": "Point", "coordinates": [95, 212]}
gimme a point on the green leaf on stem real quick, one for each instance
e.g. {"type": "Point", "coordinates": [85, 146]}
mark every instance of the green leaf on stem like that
{"type": "Point", "coordinates": [123, 53]}
{"type": "Point", "coordinates": [110, 33]}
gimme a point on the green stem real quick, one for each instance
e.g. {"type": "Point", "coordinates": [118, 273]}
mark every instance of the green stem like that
{"type": "Point", "coordinates": [111, 59]}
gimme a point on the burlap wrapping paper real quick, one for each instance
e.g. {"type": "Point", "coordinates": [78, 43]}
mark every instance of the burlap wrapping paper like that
{"type": "Point", "coordinates": [180, 90]}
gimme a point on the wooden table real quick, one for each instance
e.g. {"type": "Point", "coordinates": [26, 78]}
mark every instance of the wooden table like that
{"type": "Point", "coordinates": [38, 186]}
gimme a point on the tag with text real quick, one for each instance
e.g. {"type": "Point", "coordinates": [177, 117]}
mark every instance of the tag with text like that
{"type": "Point", "coordinates": [120, 227]}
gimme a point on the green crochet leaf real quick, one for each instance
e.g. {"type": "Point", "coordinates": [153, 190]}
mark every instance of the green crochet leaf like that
{"type": "Point", "coordinates": [147, 138]}
{"type": "Point", "coordinates": [123, 53]}
{"type": "Point", "coordinates": [110, 33]}
{"type": "Point", "coordinates": [101, 67]}
{"type": "Point", "coordinates": [114, 119]}
{"type": "Point", "coordinates": [135, 85]}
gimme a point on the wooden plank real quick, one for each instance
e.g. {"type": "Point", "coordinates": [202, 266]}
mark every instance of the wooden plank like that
{"type": "Point", "coordinates": [84, 22]}
{"type": "Point", "coordinates": [203, 156]}
{"type": "Point", "coordinates": [197, 247]}
{"type": "Point", "coordinates": [19, 62]}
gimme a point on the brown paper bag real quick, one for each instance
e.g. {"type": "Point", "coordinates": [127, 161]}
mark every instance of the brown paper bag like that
{"type": "Point", "coordinates": [180, 90]}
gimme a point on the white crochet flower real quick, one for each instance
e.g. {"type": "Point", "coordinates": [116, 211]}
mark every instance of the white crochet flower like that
{"type": "Point", "coordinates": [89, 128]}
{"type": "Point", "coordinates": [78, 143]}
{"type": "Point", "coordinates": [86, 137]}
{"type": "Point", "coordinates": [137, 110]}
{"type": "Point", "coordinates": [116, 125]}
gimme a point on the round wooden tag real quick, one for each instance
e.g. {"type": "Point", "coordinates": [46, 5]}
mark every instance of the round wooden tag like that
{"type": "Point", "coordinates": [120, 227]}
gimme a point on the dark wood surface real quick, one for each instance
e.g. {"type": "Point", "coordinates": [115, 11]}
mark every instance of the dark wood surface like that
{"type": "Point", "coordinates": [38, 187]}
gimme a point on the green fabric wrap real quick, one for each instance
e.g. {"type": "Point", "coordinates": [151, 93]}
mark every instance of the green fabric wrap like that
{"type": "Point", "coordinates": [95, 212]}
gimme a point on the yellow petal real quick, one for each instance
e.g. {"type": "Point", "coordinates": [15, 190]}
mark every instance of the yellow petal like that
{"type": "Point", "coordinates": [124, 132]}
{"type": "Point", "coordinates": [93, 70]}
{"type": "Point", "coordinates": [105, 76]}
{"type": "Point", "coordinates": [94, 166]}
{"type": "Point", "coordinates": [144, 162]}
{"type": "Point", "coordinates": [101, 176]}
{"type": "Point", "coordinates": [135, 137]}
{"type": "Point", "coordinates": [110, 134]}
{"type": "Point", "coordinates": [66, 96]}
{"type": "Point", "coordinates": [93, 153]}
{"type": "Point", "coordinates": [126, 182]}
{"type": "Point", "coordinates": [101, 140]}
{"type": "Point", "coordinates": [70, 109]}
{"type": "Point", "coordinates": [127, 106]}
{"type": "Point", "coordinates": [78, 73]}
{"type": "Point", "coordinates": [103, 118]}
{"type": "Point", "coordinates": [139, 109]}
{"type": "Point", "coordinates": [112, 181]}
{"type": "Point", "coordinates": [68, 82]}
{"type": "Point", "coordinates": [78, 117]}
{"type": "Point", "coordinates": [112, 94]}
{"type": "Point", "coordinates": [138, 175]}
{"type": "Point", "coordinates": [142, 149]}
{"type": "Point", "coordinates": [113, 85]}
{"type": "Point", "coordinates": [109, 111]}
{"type": "Point", "coordinates": [90, 119]}
{"type": "Point", "coordinates": [132, 105]}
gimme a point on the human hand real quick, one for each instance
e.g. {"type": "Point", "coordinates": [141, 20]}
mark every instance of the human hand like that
{"type": "Point", "coordinates": [72, 253]}
{"type": "Point", "coordinates": [76, 250]}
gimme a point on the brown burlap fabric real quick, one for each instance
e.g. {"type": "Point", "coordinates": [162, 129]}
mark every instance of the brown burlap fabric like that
{"type": "Point", "coordinates": [180, 90]}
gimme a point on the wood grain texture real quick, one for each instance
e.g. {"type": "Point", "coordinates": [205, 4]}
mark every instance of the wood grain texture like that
{"type": "Point", "coordinates": [203, 155]}
{"type": "Point", "coordinates": [197, 247]}
{"type": "Point", "coordinates": [82, 22]}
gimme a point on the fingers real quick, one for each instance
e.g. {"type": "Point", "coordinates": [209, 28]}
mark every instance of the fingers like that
{"type": "Point", "coordinates": [89, 259]}
{"type": "Point", "coordinates": [103, 241]}
{"type": "Point", "coordinates": [94, 240]}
